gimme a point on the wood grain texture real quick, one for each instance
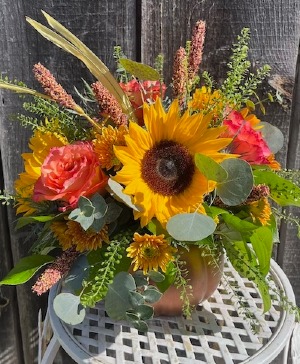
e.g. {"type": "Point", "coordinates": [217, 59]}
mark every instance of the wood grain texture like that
{"type": "Point", "coordinates": [101, 25]}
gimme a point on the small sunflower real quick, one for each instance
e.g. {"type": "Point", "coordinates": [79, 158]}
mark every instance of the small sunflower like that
{"type": "Point", "coordinates": [40, 144]}
{"type": "Point", "coordinates": [150, 252]}
{"type": "Point", "coordinates": [260, 211]}
{"type": "Point", "coordinates": [71, 234]}
{"type": "Point", "coordinates": [104, 145]}
{"type": "Point", "coordinates": [158, 163]}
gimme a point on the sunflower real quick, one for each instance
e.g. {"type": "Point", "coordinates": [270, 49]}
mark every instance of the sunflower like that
{"type": "Point", "coordinates": [71, 234]}
{"type": "Point", "coordinates": [150, 252]}
{"type": "Point", "coordinates": [159, 171]}
{"type": "Point", "coordinates": [40, 143]}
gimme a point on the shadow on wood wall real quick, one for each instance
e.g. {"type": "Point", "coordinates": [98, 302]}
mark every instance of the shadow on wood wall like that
{"type": "Point", "coordinates": [143, 29]}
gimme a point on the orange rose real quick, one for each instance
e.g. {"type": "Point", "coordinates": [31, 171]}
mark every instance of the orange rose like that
{"type": "Point", "coordinates": [69, 172]}
{"type": "Point", "coordinates": [140, 92]}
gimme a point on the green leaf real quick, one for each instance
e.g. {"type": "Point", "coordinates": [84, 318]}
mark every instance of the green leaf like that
{"type": "Point", "coordinates": [139, 70]}
{"type": "Point", "coordinates": [262, 243]}
{"type": "Point", "coordinates": [113, 212]}
{"type": "Point", "coordinates": [140, 279]}
{"type": "Point", "coordinates": [25, 220]}
{"type": "Point", "coordinates": [151, 294]}
{"type": "Point", "coordinates": [136, 298]}
{"type": "Point", "coordinates": [100, 206]}
{"type": "Point", "coordinates": [190, 227]}
{"type": "Point", "coordinates": [136, 322]}
{"type": "Point", "coordinates": [156, 276]}
{"type": "Point", "coordinates": [238, 224]}
{"type": "Point", "coordinates": [239, 183]}
{"type": "Point", "coordinates": [118, 298]}
{"type": "Point", "coordinates": [244, 261]}
{"type": "Point", "coordinates": [116, 190]}
{"type": "Point", "coordinates": [273, 137]}
{"type": "Point", "coordinates": [170, 275]}
{"type": "Point", "coordinates": [154, 226]}
{"type": "Point", "coordinates": [25, 269]}
{"type": "Point", "coordinates": [78, 272]}
{"type": "Point", "coordinates": [68, 308]}
{"type": "Point", "coordinates": [98, 224]}
{"type": "Point", "coordinates": [144, 312]}
{"type": "Point", "coordinates": [209, 168]}
{"type": "Point", "coordinates": [282, 191]}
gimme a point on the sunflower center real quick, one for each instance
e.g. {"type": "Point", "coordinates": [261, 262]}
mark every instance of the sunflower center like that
{"type": "Point", "coordinates": [168, 168]}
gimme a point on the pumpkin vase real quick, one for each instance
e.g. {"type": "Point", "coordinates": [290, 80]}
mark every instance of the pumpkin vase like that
{"type": "Point", "coordinates": [204, 272]}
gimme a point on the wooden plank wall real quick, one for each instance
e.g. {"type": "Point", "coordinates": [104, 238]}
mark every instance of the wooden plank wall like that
{"type": "Point", "coordinates": [143, 28]}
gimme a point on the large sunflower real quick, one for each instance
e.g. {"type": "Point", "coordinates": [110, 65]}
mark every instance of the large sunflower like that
{"type": "Point", "coordinates": [158, 162]}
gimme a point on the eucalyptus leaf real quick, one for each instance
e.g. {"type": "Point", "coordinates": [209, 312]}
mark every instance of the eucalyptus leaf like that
{"type": "Point", "coordinates": [144, 312]}
{"type": "Point", "coordinates": [151, 294]}
{"type": "Point", "coordinates": [140, 325]}
{"type": "Point", "coordinates": [139, 70]}
{"type": "Point", "coordinates": [210, 168]}
{"type": "Point", "coordinates": [239, 183]}
{"type": "Point", "coordinates": [98, 224]}
{"type": "Point", "coordinates": [100, 206]}
{"type": "Point", "coordinates": [156, 276]}
{"type": "Point", "coordinates": [118, 300]}
{"type": "Point", "coordinates": [282, 191]}
{"type": "Point", "coordinates": [190, 227]}
{"type": "Point", "coordinates": [25, 269]}
{"type": "Point", "coordinates": [113, 212]}
{"type": "Point", "coordinates": [68, 308]}
{"type": "Point", "coordinates": [117, 191]}
{"type": "Point", "coordinates": [136, 298]}
{"type": "Point", "coordinates": [139, 278]}
{"type": "Point", "coordinates": [78, 272]}
{"type": "Point", "coordinates": [273, 136]}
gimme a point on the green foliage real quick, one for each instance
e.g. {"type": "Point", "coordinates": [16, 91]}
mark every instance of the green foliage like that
{"type": "Point", "coordinates": [104, 265]}
{"type": "Point", "coordinates": [273, 137]}
{"type": "Point", "coordinates": [122, 75]}
{"type": "Point", "coordinates": [190, 226]}
{"type": "Point", "coordinates": [159, 66]}
{"type": "Point", "coordinates": [95, 213]}
{"type": "Point", "coordinates": [125, 299]}
{"type": "Point", "coordinates": [180, 272]}
{"type": "Point", "coordinates": [282, 191]}
{"type": "Point", "coordinates": [139, 70]}
{"type": "Point", "coordinates": [238, 185]}
{"type": "Point", "coordinates": [244, 261]}
{"type": "Point", "coordinates": [54, 119]}
{"type": "Point", "coordinates": [68, 308]}
{"type": "Point", "coordinates": [240, 83]}
{"type": "Point", "coordinates": [6, 198]}
{"type": "Point", "coordinates": [25, 269]}
{"type": "Point", "coordinates": [211, 169]}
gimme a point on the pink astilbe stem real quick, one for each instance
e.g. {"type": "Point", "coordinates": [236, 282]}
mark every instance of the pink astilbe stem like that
{"type": "Point", "coordinates": [196, 52]}
{"type": "Point", "coordinates": [180, 75]}
{"type": "Point", "coordinates": [108, 104]}
{"type": "Point", "coordinates": [52, 88]}
{"type": "Point", "coordinates": [55, 271]}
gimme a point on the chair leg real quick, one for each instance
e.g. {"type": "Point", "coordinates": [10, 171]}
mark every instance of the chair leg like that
{"type": "Point", "coordinates": [51, 351]}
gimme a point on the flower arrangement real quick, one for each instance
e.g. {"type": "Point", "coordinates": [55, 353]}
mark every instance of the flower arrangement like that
{"type": "Point", "coordinates": [120, 186]}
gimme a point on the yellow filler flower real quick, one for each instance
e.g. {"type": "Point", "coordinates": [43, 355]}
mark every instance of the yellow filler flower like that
{"type": "Point", "coordinates": [159, 170]}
